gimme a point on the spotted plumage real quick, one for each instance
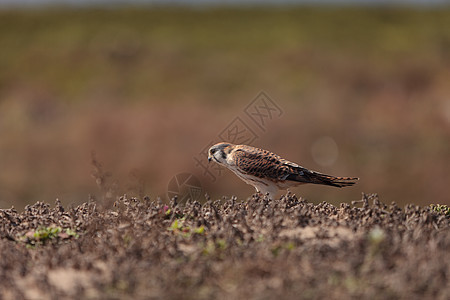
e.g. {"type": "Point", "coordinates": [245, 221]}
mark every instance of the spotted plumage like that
{"type": "Point", "coordinates": [268, 172]}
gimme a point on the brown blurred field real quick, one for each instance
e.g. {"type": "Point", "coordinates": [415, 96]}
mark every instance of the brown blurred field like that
{"type": "Point", "coordinates": [148, 89]}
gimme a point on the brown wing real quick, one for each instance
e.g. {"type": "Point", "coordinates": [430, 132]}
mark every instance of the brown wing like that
{"type": "Point", "coordinates": [265, 164]}
{"type": "Point", "coordinates": [260, 163]}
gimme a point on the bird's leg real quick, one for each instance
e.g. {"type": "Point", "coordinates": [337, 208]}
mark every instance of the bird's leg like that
{"type": "Point", "coordinates": [259, 193]}
{"type": "Point", "coordinates": [267, 196]}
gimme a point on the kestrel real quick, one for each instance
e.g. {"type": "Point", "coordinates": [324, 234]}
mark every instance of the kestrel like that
{"type": "Point", "coordinates": [268, 172]}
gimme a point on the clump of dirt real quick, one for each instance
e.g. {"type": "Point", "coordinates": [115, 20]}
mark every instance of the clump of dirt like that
{"type": "Point", "coordinates": [225, 249]}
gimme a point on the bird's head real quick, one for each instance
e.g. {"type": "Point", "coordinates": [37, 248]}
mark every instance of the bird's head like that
{"type": "Point", "coordinates": [219, 152]}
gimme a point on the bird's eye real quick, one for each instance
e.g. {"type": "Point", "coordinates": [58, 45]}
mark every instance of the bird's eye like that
{"type": "Point", "coordinates": [213, 151]}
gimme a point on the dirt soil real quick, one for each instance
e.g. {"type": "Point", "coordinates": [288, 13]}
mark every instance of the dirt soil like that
{"type": "Point", "coordinates": [225, 249]}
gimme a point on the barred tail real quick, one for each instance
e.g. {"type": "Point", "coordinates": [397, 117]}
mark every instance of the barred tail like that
{"type": "Point", "coordinates": [337, 181]}
{"type": "Point", "coordinates": [317, 178]}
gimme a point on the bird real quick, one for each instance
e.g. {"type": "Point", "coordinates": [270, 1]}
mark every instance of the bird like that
{"type": "Point", "coordinates": [267, 172]}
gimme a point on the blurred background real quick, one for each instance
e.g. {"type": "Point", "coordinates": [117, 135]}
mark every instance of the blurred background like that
{"type": "Point", "coordinates": [344, 88]}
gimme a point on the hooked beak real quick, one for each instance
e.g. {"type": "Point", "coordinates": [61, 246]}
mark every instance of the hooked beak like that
{"type": "Point", "coordinates": [209, 158]}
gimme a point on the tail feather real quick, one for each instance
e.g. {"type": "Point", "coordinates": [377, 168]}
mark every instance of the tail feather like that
{"type": "Point", "coordinates": [318, 178]}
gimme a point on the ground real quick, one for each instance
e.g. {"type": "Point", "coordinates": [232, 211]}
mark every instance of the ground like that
{"type": "Point", "coordinates": [225, 249]}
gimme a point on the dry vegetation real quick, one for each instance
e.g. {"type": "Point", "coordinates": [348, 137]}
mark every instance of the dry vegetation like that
{"type": "Point", "coordinates": [225, 249]}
